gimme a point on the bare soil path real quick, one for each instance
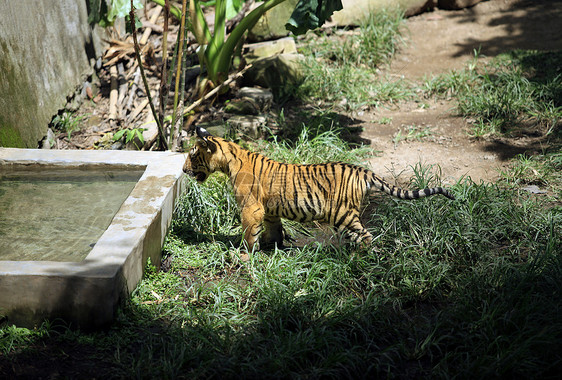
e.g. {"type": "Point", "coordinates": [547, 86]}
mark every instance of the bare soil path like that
{"type": "Point", "coordinates": [438, 42]}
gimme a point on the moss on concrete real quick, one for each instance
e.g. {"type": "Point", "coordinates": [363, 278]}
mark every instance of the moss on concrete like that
{"type": "Point", "coordinates": [41, 67]}
{"type": "Point", "coordinates": [9, 136]}
{"type": "Point", "coordinates": [18, 105]}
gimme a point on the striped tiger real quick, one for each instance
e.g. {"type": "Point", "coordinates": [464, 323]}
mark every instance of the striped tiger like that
{"type": "Point", "coordinates": [267, 191]}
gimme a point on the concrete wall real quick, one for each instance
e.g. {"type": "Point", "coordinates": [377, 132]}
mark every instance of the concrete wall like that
{"type": "Point", "coordinates": [45, 52]}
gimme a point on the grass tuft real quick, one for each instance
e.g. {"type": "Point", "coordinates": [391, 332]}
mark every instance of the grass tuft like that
{"type": "Point", "coordinates": [344, 69]}
{"type": "Point", "coordinates": [314, 148]}
{"type": "Point", "coordinates": [514, 93]}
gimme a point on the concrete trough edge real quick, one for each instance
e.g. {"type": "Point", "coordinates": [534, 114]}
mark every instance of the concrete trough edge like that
{"type": "Point", "coordinates": [87, 293]}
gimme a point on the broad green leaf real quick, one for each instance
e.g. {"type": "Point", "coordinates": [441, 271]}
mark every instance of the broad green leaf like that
{"type": "Point", "coordinates": [119, 134]}
{"type": "Point", "coordinates": [130, 135]}
{"type": "Point", "coordinates": [232, 6]}
{"type": "Point", "coordinates": [121, 8]}
{"type": "Point", "coordinates": [311, 14]}
{"type": "Point", "coordinates": [138, 132]}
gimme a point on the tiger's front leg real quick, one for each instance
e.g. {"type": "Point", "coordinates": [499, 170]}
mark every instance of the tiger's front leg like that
{"type": "Point", "coordinates": [252, 225]}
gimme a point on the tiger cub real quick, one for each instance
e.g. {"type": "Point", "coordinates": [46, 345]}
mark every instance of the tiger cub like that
{"type": "Point", "coordinates": [267, 191]}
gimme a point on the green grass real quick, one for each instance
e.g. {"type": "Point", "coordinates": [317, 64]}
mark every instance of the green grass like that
{"type": "Point", "coordinates": [463, 288]}
{"type": "Point", "coordinates": [411, 132]}
{"type": "Point", "coordinates": [68, 122]}
{"type": "Point", "coordinates": [468, 288]}
{"type": "Point", "coordinates": [542, 170]}
{"type": "Point", "coordinates": [371, 45]}
{"type": "Point", "coordinates": [314, 147]}
{"type": "Point", "coordinates": [517, 92]}
{"type": "Point", "coordinates": [345, 69]}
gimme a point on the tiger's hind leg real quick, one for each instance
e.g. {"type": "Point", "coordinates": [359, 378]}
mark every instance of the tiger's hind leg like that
{"type": "Point", "coordinates": [355, 230]}
{"type": "Point", "coordinates": [273, 232]}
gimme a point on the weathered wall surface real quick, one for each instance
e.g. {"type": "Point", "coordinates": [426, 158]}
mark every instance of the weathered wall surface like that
{"type": "Point", "coordinates": [45, 52]}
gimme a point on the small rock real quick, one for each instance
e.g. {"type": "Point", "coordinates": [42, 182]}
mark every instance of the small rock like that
{"type": "Point", "coordinates": [247, 126]}
{"type": "Point", "coordinates": [534, 189]}
{"type": "Point", "coordinates": [150, 134]}
{"type": "Point", "coordinates": [272, 24]}
{"type": "Point", "coordinates": [355, 11]}
{"type": "Point", "coordinates": [191, 74]}
{"type": "Point", "coordinates": [280, 73]}
{"type": "Point", "coordinates": [49, 140]}
{"type": "Point", "coordinates": [270, 48]}
{"type": "Point", "coordinates": [118, 145]}
{"type": "Point", "coordinates": [244, 106]}
{"type": "Point", "coordinates": [94, 121]}
{"type": "Point", "coordinates": [457, 4]}
{"type": "Point", "coordinates": [262, 96]}
{"type": "Point", "coordinates": [135, 144]}
{"type": "Point", "coordinates": [215, 128]}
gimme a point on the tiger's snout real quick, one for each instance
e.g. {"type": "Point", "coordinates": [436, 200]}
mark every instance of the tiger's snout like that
{"type": "Point", "coordinates": [199, 176]}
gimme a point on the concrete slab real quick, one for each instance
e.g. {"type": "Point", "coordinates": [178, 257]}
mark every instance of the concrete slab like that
{"type": "Point", "coordinates": [87, 293]}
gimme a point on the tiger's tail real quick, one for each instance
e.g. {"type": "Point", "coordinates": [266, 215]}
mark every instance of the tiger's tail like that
{"type": "Point", "coordinates": [381, 184]}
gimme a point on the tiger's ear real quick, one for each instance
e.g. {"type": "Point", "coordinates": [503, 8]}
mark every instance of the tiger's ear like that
{"type": "Point", "coordinates": [203, 134]}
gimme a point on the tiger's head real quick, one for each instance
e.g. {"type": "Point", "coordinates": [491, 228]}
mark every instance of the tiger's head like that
{"type": "Point", "coordinates": [201, 161]}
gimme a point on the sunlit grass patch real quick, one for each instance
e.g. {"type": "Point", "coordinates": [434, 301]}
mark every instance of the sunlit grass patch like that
{"type": "Point", "coordinates": [515, 93]}
{"type": "Point", "coordinates": [344, 67]}
{"type": "Point", "coordinates": [542, 173]}
{"type": "Point", "coordinates": [314, 148]}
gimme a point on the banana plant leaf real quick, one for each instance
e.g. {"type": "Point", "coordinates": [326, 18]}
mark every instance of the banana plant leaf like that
{"type": "Point", "coordinates": [311, 14]}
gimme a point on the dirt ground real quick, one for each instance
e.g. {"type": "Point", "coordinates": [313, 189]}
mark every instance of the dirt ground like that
{"type": "Point", "coordinates": [437, 42]}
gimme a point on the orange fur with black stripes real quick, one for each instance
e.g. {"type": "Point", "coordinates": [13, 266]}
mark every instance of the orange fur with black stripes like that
{"type": "Point", "coordinates": [267, 191]}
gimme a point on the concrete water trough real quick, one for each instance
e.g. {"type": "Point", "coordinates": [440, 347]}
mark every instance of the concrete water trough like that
{"type": "Point", "coordinates": [93, 253]}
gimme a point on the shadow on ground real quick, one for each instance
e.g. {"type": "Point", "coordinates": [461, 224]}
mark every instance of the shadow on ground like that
{"type": "Point", "coordinates": [529, 26]}
{"type": "Point", "coordinates": [288, 338]}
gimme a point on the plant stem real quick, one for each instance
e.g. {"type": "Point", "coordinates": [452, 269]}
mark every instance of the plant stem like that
{"type": "Point", "coordinates": [216, 43]}
{"type": "Point", "coordinates": [223, 57]}
{"type": "Point", "coordinates": [161, 140]}
{"type": "Point", "coordinates": [164, 88]}
{"type": "Point", "coordinates": [213, 92]}
{"type": "Point", "coordinates": [172, 9]}
{"type": "Point", "coordinates": [179, 62]}
{"type": "Point", "coordinates": [199, 26]}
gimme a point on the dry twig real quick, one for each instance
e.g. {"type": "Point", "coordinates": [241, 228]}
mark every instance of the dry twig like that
{"type": "Point", "coordinates": [133, 90]}
{"type": "Point", "coordinates": [113, 95]}
{"type": "Point", "coordinates": [214, 91]}
{"type": "Point", "coordinates": [148, 30]}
